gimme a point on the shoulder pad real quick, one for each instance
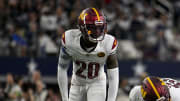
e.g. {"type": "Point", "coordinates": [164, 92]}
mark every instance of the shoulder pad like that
{"type": "Point", "coordinates": [135, 94]}
{"type": "Point", "coordinates": [68, 35]}
{"type": "Point", "coordinates": [111, 43]}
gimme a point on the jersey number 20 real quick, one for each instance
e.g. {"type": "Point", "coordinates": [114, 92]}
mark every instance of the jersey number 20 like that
{"type": "Point", "coordinates": [93, 69]}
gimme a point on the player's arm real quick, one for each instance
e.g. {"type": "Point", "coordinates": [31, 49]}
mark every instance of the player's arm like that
{"type": "Point", "coordinates": [113, 76]}
{"type": "Point", "coordinates": [63, 64]}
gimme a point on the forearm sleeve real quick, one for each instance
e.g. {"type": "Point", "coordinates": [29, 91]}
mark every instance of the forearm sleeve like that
{"type": "Point", "coordinates": [63, 64]}
{"type": "Point", "coordinates": [113, 79]}
{"type": "Point", "coordinates": [63, 83]}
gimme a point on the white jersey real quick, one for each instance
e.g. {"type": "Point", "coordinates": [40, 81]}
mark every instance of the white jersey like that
{"type": "Point", "coordinates": [173, 85]}
{"type": "Point", "coordinates": [88, 66]}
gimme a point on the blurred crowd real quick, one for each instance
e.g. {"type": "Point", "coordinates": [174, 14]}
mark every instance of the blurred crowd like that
{"type": "Point", "coordinates": [17, 88]}
{"type": "Point", "coordinates": [33, 28]}
{"type": "Point", "coordinates": [33, 88]}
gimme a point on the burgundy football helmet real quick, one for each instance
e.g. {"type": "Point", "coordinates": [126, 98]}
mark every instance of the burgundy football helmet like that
{"type": "Point", "coordinates": [92, 24]}
{"type": "Point", "coordinates": [154, 89]}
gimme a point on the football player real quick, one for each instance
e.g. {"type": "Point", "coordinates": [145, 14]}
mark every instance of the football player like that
{"type": "Point", "coordinates": [156, 89]}
{"type": "Point", "coordinates": [90, 48]}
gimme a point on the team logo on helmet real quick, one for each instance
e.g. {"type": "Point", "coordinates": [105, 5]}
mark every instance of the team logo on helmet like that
{"type": "Point", "coordinates": [82, 16]}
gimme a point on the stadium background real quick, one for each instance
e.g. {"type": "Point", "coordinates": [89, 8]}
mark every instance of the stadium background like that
{"type": "Point", "coordinates": [148, 32]}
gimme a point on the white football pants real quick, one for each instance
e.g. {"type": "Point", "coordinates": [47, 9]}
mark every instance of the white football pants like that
{"type": "Point", "coordinates": [95, 91]}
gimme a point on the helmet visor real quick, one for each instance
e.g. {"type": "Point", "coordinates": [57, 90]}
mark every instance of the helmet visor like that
{"type": "Point", "coordinates": [96, 32]}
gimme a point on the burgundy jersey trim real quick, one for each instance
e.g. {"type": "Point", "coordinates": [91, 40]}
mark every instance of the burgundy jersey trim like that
{"type": "Point", "coordinates": [114, 44]}
{"type": "Point", "coordinates": [63, 38]}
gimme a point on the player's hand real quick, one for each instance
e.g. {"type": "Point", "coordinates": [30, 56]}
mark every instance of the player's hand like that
{"type": "Point", "coordinates": [161, 99]}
